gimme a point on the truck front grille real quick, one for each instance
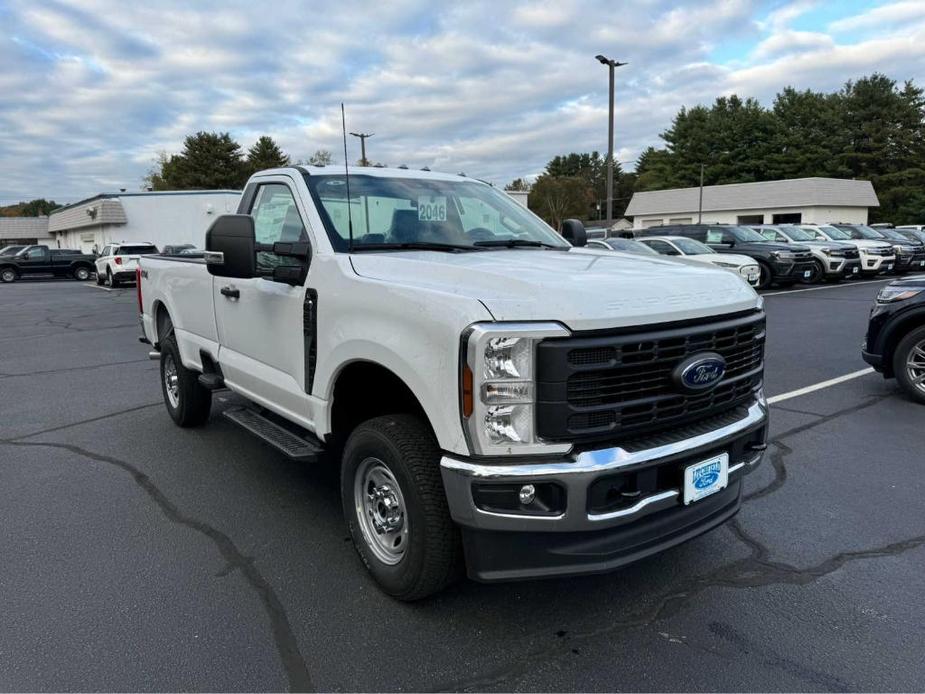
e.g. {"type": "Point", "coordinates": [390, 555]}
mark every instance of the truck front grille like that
{"type": "Point", "coordinates": [618, 384]}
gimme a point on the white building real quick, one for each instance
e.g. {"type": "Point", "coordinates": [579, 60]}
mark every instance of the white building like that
{"type": "Point", "coordinates": [521, 196]}
{"type": "Point", "coordinates": [15, 231]}
{"type": "Point", "coordinates": [798, 200]}
{"type": "Point", "coordinates": [170, 217]}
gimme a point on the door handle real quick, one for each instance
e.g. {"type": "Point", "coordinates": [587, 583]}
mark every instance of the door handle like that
{"type": "Point", "coordinates": [231, 292]}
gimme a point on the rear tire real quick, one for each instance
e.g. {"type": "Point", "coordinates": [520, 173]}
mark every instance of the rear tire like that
{"type": "Point", "coordinates": [187, 402]}
{"type": "Point", "coordinates": [909, 364]}
{"type": "Point", "coordinates": [396, 509]}
{"type": "Point", "coordinates": [81, 274]}
{"type": "Point", "coordinates": [99, 279]}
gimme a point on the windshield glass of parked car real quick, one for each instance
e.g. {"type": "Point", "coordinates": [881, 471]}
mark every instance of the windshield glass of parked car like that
{"type": "Point", "coordinates": [692, 246]}
{"type": "Point", "coordinates": [10, 250]}
{"type": "Point", "coordinates": [630, 246]}
{"type": "Point", "coordinates": [896, 236]}
{"type": "Point", "coordinates": [389, 213]}
{"type": "Point", "coordinates": [834, 233]}
{"type": "Point", "coordinates": [859, 231]}
{"type": "Point", "coordinates": [796, 234]}
{"type": "Point", "coordinates": [746, 235]}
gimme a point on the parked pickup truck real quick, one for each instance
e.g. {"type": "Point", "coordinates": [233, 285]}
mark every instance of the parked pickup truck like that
{"type": "Point", "coordinates": [41, 260]}
{"type": "Point", "coordinates": [497, 398]}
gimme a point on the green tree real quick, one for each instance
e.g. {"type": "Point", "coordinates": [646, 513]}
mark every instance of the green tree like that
{"type": "Point", "coordinates": [592, 169]}
{"type": "Point", "coordinates": [321, 157]}
{"type": "Point", "coordinates": [265, 154]}
{"type": "Point", "coordinates": [209, 161]}
{"type": "Point", "coordinates": [518, 184]}
{"type": "Point", "coordinates": [40, 207]}
{"type": "Point", "coordinates": [555, 198]}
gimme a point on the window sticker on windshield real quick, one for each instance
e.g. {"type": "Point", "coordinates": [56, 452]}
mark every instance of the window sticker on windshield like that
{"type": "Point", "coordinates": [432, 208]}
{"type": "Point", "coordinates": [714, 237]}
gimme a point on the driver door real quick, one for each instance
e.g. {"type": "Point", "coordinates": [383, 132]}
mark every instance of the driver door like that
{"type": "Point", "coordinates": [259, 321]}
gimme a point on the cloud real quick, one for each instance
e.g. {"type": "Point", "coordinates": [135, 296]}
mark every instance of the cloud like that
{"type": "Point", "coordinates": [92, 90]}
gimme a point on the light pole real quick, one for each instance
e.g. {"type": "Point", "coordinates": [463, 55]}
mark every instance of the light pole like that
{"type": "Point", "coordinates": [700, 204]}
{"type": "Point", "coordinates": [611, 64]}
{"type": "Point", "coordinates": [363, 137]}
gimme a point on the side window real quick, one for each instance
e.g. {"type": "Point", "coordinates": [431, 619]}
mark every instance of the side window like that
{"type": "Point", "coordinates": [698, 234]}
{"type": "Point", "coordinates": [34, 253]}
{"type": "Point", "coordinates": [771, 235]}
{"type": "Point", "coordinates": [276, 218]}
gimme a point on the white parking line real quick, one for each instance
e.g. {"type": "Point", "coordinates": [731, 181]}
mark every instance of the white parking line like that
{"type": "Point", "coordinates": [94, 285]}
{"type": "Point", "coordinates": [819, 386]}
{"type": "Point", "coordinates": [842, 286]}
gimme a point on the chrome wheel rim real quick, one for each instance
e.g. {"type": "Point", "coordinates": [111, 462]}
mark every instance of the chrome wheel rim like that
{"type": "Point", "coordinates": [915, 365]}
{"type": "Point", "coordinates": [171, 381]}
{"type": "Point", "coordinates": [8, 276]}
{"type": "Point", "coordinates": [380, 509]}
{"type": "Point", "coordinates": [82, 274]}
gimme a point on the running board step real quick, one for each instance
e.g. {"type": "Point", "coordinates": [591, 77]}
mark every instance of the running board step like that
{"type": "Point", "coordinates": [282, 439]}
{"type": "Point", "coordinates": [212, 381]}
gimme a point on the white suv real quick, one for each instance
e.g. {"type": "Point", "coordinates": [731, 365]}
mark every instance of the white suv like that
{"type": "Point", "coordinates": [117, 262]}
{"type": "Point", "coordinates": [876, 256]}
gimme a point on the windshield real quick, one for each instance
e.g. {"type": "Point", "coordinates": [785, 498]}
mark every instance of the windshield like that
{"type": "Point", "coordinates": [630, 246]}
{"type": "Point", "coordinates": [835, 233]}
{"type": "Point", "coordinates": [10, 250]}
{"type": "Point", "coordinates": [860, 231]}
{"type": "Point", "coordinates": [894, 235]}
{"type": "Point", "coordinates": [796, 234]}
{"type": "Point", "coordinates": [390, 213]}
{"type": "Point", "coordinates": [746, 235]}
{"type": "Point", "coordinates": [692, 247]}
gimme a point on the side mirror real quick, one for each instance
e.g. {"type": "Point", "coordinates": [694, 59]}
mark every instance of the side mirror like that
{"type": "Point", "coordinates": [231, 249]}
{"type": "Point", "coordinates": [574, 232]}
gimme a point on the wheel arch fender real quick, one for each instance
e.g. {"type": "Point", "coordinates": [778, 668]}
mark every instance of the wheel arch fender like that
{"type": "Point", "coordinates": [895, 331]}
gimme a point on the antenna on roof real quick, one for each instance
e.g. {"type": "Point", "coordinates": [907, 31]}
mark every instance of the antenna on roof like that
{"type": "Point", "coordinates": [343, 123]}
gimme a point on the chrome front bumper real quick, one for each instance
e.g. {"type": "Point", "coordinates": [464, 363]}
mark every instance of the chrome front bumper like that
{"type": "Point", "coordinates": [575, 473]}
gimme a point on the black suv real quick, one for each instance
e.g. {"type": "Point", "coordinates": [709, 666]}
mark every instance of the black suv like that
{"type": "Point", "coordinates": [895, 342]}
{"type": "Point", "coordinates": [783, 263]}
{"type": "Point", "coordinates": [910, 255]}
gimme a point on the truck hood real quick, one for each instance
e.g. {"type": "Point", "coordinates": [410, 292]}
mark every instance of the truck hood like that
{"type": "Point", "coordinates": [584, 289]}
{"type": "Point", "coordinates": [765, 246]}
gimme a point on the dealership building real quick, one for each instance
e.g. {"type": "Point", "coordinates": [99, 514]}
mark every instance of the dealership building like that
{"type": "Point", "coordinates": [161, 218]}
{"type": "Point", "coordinates": [793, 201]}
{"type": "Point", "coordinates": [24, 231]}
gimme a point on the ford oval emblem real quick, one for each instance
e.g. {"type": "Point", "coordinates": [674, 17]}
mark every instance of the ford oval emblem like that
{"type": "Point", "coordinates": [706, 479]}
{"type": "Point", "coordinates": [699, 372]}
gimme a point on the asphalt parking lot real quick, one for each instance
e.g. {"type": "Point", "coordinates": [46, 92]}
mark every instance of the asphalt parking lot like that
{"type": "Point", "coordinates": [138, 556]}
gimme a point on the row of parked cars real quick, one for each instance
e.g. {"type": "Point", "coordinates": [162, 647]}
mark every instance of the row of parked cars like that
{"type": "Point", "coordinates": [782, 254]}
{"type": "Point", "coordinates": [114, 264]}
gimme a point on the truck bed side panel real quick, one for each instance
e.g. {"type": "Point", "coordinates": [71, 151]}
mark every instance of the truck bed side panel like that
{"type": "Point", "coordinates": [184, 288]}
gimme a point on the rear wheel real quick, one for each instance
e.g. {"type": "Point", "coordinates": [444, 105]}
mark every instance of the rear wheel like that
{"type": "Point", "coordinates": [188, 402]}
{"type": "Point", "coordinates": [100, 278]}
{"type": "Point", "coordinates": [82, 274]}
{"type": "Point", "coordinates": [111, 281]}
{"type": "Point", "coordinates": [7, 275]}
{"type": "Point", "coordinates": [909, 364]}
{"type": "Point", "coordinates": [396, 508]}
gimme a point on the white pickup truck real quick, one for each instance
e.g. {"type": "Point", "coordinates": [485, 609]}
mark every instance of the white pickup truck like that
{"type": "Point", "coordinates": [499, 399]}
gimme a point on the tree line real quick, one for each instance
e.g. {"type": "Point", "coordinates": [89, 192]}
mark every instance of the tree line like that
{"type": "Point", "coordinates": [871, 129]}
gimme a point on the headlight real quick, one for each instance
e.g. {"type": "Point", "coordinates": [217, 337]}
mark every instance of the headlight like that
{"type": "Point", "coordinates": [782, 255]}
{"type": "Point", "coordinates": [750, 270]}
{"type": "Point", "coordinates": [899, 250]}
{"type": "Point", "coordinates": [725, 265]}
{"type": "Point", "coordinates": [498, 387]}
{"type": "Point", "coordinates": [890, 294]}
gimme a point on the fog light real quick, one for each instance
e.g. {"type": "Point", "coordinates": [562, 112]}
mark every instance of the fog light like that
{"type": "Point", "coordinates": [527, 494]}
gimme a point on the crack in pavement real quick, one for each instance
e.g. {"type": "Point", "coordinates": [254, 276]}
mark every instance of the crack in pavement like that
{"type": "Point", "coordinates": [88, 367]}
{"type": "Point", "coordinates": [285, 639]}
{"type": "Point", "coordinates": [83, 421]}
{"type": "Point", "coordinates": [754, 571]}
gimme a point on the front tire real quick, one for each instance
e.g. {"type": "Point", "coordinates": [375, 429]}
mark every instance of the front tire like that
{"type": "Point", "coordinates": [909, 364]}
{"type": "Point", "coordinates": [765, 276]}
{"type": "Point", "coordinates": [396, 509]}
{"type": "Point", "coordinates": [817, 274]}
{"type": "Point", "coordinates": [188, 402]}
{"type": "Point", "coordinates": [7, 275]}
{"type": "Point", "coordinates": [111, 281]}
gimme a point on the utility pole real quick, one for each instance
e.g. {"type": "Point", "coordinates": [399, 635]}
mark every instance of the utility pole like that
{"type": "Point", "coordinates": [700, 204]}
{"type": "Point", "coordinates": [363, 136]}
{"type": "Point", "coordinates": [611, 64]}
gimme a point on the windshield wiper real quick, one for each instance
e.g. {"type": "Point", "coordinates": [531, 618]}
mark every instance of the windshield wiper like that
{"type": "Point", "coordinates": [517, 243]}
{"type": "Point", "coordinates": [413, 246]}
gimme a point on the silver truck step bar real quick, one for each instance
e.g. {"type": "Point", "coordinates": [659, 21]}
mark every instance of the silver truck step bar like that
{"type": "Point", "coordinates": [280, 438]}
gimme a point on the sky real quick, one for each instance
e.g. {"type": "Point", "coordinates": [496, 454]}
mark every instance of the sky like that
{"type": "Point", "coordinates": [92, 91]}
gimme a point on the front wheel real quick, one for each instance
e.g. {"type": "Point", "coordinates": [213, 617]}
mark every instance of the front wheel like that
{"type": "Point", "coordinates": [396, 508]}
{"type": "Point", "coordinates": [816, 274]}
{"type": "Point", "coordinates": [765, 276]}
{"type": "Point", "coordinates": [7, 275]}
{"type": "Point", "coordinates": [82, 274]}
{"type": "Point", "coordinates": [909, 364]}
{"type": "Point", "coordinates": [187, 401]}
